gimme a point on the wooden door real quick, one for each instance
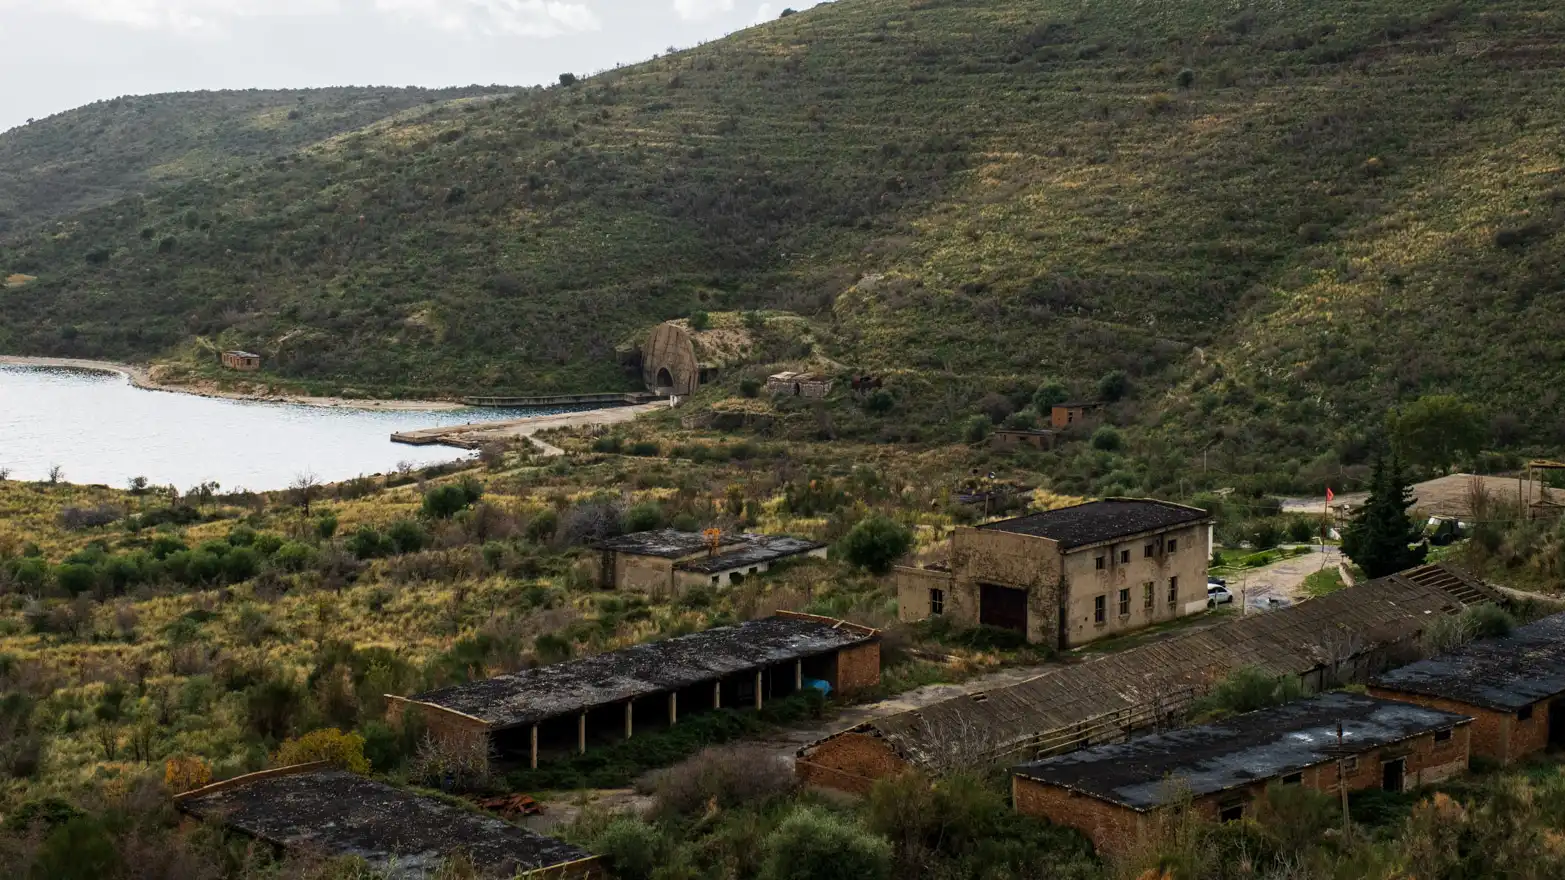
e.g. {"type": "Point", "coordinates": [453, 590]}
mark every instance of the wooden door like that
{"type": "Point", "coordinates": [1004, 607]}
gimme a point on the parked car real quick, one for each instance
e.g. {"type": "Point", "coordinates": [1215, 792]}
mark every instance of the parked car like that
{"type": "Point", "coordinates": [1216, 581]}
{"type": "Point", "coordinates": [1217, 594]}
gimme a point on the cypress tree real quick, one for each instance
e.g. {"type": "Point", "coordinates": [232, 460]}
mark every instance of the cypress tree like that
{"type": "Point", "coordinates": [1380, 538]}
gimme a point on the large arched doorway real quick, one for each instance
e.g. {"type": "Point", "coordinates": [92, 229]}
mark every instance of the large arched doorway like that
{"type": "Point", "coordinates": [665, 379]}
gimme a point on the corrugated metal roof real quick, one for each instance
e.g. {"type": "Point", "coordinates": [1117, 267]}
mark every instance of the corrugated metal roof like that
{"type": "Point", "coordinates": [1295, 640]}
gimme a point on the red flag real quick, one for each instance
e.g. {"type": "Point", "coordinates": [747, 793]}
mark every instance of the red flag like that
{"type": "Point", "coordinates": [1330, 495]}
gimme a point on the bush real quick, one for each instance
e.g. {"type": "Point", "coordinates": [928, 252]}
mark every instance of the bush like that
{"type": "Point", "coordinates": [644, 517]}
{"type": "Point", "coordinates": [1108, 439]}
{"type": "Point", "coordinates": [344, 751]}
{"type": "Point", "coordinates": [1247, 689]}
{"type": "Point", "coordinates": [294, 556]}
{"type": "Point", "coordinates": [241, 564]}
{"type": "Point", "coordinates": [81, 849]}
{"type": "Point", "coordinates": [75, 578]}
{"type": "Point", "coordinates": [1265, 534]}
{"type": "Point", "coordinates": [631, 847]}
{"type": "Point", "coordinates": [750, 387]}
{"type": "Point", "coordinates": [996, 407]}
{"type": "Point", "coordinates": [1302, 530]}
{"type": "Point", "coordinates": [976, 429]}
{"type": "Point", "coordinates": [1049, 395]}
{"type": "Point", "coordinates": [1113, 386]}
{"type": "Point", "coordinates": [407, 536]}
{"type": "Point", "coordinates": [368, 543]}
{"type": "Point", "coordinates": [727, 776]}
{"type": "Point", "coordinates": [876, 543]}
{"type": "Point", "coordinates": [444, 502]}
{"type": "Point", "coordinates": [700, 321]}
{"type": "Point", "coordinates": [879, 402]}
{"type": "Point", "coordinates": [813, 844]}
{"type": "Point", "coordinates": [542, 526]}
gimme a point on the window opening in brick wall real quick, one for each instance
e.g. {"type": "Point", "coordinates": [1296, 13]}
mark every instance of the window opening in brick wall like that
{"type": "Point", "coordinates": [1124, 603]}
{"type": "Point", "coordinates": [1293, 779]}
{"type": "Point", "coordinates": [1149, 551]}
{"type": "Point", "coordinates": [1173, 544]}
{"type": "Point", "coordinates": [1173, 590]}
{"type": "Point", "coordinates": [1100, 609]}
{"type": "Point", "coordinates": [1524, 713]}
{"type": "Point", "coordinates": [1442, 736]}
{"type": "Point", "coordinates": [937, 601]}
{"type": "Point", "coordinates": [1102, 562]}
{"type": "Point", "coordinates": [1232, 813]}
{"type": "Point", "coordinates": [1124, 557]}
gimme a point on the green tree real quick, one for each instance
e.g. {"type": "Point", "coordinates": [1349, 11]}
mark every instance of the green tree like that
{"type": "Point", "coordinates": [1380, 538]}
{"type": "Point", "coordinates": [81, 849]}
{"type": "Point", "coordinates": [1113, 386]}
{"type": "Point", "coordinates": [1437, 430]}
{"type": "Point", "coordinates": [700, 321]}
{"type": "Point", "coordinates": [876, 543]}
{"type": "Point", "coordinates": [813, 844]}
{"type": "Point", "coordinates": [1049, 395]}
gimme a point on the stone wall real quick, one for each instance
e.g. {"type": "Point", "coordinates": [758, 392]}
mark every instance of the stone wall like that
{"type": "Point", "coordinates": [849, 762]}
{"type": "Point", "coordinates": [652, 575]}
{"type": "Point", "coordinates": [913, 586]}
{"type": "Point", "coordinates": [1110, 827]}
{"type": "Point", "coordinates": [983, 556]}
{"type": "Point", "coordinates": [858, 667]}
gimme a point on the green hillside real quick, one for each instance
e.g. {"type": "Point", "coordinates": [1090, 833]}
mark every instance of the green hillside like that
{"type": "Point", "coordinates": [1281, 218]}
{"type": "Point", "coordinates": [96, 154]}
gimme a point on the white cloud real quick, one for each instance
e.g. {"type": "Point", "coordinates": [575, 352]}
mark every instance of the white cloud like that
{"type": "Point", "coordinates": [182, 15]}
{"type": "Point", "coordinates": [695, 10]}
{"type": "Point", "coordinates": [763, 14]}
{"type": "Point", "coordinates": [527, 18]}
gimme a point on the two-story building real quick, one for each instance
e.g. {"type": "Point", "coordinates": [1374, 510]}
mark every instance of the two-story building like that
{"type": "Point", "coordinates": [1070, 576]}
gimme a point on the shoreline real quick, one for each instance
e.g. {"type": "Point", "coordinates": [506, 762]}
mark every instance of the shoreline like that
{"type": "Point", "coordinates": [141, 377]}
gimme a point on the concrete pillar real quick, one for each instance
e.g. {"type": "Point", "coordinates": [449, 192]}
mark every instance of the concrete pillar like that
{"type": "Point", "coordinates": [535, 747]}
{"type": "Point", "coordinates": [581, 733]}
{"type": "Point", "coordinates": [758, 689]}
{"type": "Point", "coordinates": [798, 675]}
{"type": "Point", "coordinates": [717, 694]}
{"type": "Point", "coordinates": [630, 711]}
{"type": "Point", "coordinates": [673, 709]}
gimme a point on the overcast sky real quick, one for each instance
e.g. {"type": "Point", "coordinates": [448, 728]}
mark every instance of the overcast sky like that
{"type": "Point", "coordinates": [61, 54]}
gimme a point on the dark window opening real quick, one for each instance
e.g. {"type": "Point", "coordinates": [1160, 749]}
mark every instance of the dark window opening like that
{"type": "Point", "coordinates": [1100, 609]}
{"type": "Point", "coordinates": [1524, 713]}
{"type": "Point", "coordinates": [1004, 607]}
{"type": "Point", "coordinates": [1124, 557]}
{"type": "Point", "coordinates": [1146, 599]}
{"type": "Point", "coordinates": [1392, 774]}
{"type": "Point", "coordinates": [1124, 603]}
{"type": "Point", "coordinates": [1173, 544]}
{"type": "Point", "coordinates": [1232, 813]}
{"type": "Point", "coordinates": [1173, 590]}
{"type": "Point", "coordinates": [1442, 736]}
{"type": "Point", "coordinates": [1293, 779]}
{"type": "Point", "coordinates": [1102, 562]}
{"type": "Point", "coordinates": [937, 601]}
{"type": "Point", "coordinates": [1149, 551]}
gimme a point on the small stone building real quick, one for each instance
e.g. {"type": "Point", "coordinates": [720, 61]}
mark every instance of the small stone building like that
{"type": "Point", "coordinates": [666, 562]}
{"type": "Point", "coordinates": [316, 810]}
{"type": "Point", "coordinates": [1513, 687]}
{"type": "Point", "coordinates": [791, 384]}
{"type": "Point", "coordinates": [243, 361]}
{"type": "Point", "coordinates": [1113, 792]}
{"type": "Point", "coordinates": [561, 709]}
{"type": "Point", "coordinates": [1013, 439]}
{"type": "Point", "coordinates": [1075, 415]}
{"type": "Point", "coordinates": [1070, 576]}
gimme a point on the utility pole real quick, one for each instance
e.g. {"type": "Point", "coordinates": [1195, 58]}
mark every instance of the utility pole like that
{"type": "Point", "coordinates": [1341, 753]}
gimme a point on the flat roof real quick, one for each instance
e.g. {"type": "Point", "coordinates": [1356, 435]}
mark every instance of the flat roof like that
{"type": "Point", "coordinates": [761, 548]}
{"type": "Point", "coordinates": [1103, 520]}
{"type": "Point", "coordinates": [1504, 674]}
{"type": "Point", "coordinates": [243, 354]}
{"type": "Point", "coordinates": [398, 833]}
{"type": "Point", "coordinates": [667, 543]}
{"type": "Point", "coordinates": [1078, 404]}
{"type": "Point", "coordinates": [1236, 752]}
{"type": "Point", "coordinates": [574, 686]}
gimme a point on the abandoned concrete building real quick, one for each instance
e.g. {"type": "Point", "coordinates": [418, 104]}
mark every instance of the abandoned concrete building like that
{"type": "Point", "coordinates": [1082, 414]}
{"type": "Point", "coordinates": [316, 810]}
{"type": "Point", "coordinates": [1112, 793]}
{"type": "Point", "coordinates": [560, 709]}
{"type": "Point", "coordinates": [676, 360]}
{"type": "Point", "coordinates": [1513, 687]}
{"type": "Point", "coordinates": [1070, 576]}
{"type": "Point", "coordinates": [790, 384]}
{"type": "Point", "coordinates": [1342, 638]}
{"type": "Point", "coordinates": [1013, 439]}
{"type": "Point", "coordinates": [243, 361]}
{"type": "Point", "coordinates": [666, 562]}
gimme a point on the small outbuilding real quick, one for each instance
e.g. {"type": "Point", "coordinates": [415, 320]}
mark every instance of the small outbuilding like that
{"type": "Point", "coordinates": [313, 808]}
{"type": "Point", "coordinates": [1075, 415]}
{"type": "Point", "coordinates": [789, 384]}
{"type": "Point", "coordinates": [1112, 792]}
{"type": "Point", "coordinates": [1514, 687]}
{"type": "Point", "coordinates": [1013, 439]}
{"type": "Point", "coordinates": [243, 361]}
{"type": "Point", "coordinates": [664, 563]}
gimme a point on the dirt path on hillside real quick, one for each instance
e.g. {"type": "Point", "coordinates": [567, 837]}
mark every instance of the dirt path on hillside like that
{"type": "Point", "coordinates": [145, 378]}
{"type": "Point", "coordinates": [530, 427]}
{"type": "Point", "coordinates": [1281, 583]}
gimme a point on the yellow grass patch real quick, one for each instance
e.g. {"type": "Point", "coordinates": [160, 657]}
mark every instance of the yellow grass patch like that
{"type": "Point", "coordinates": [18, 279]}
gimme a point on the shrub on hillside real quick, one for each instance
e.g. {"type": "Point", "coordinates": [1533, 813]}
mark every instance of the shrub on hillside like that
{"type": "Point", "coordinates": [725, 777]}
{"type": "Point", "coordinates": [344, 751]}
{"type": "Point", "coordinates": [1247, 689]}
{"type": "Point", "coordinates": [1113, 386]}
{"type": "Point", "coordinates": [813, 844]}
{"type": "Point", "coordinates": [444, 502]}
{"type": "Point", "coordinates": [1108, 439]}
{"type": "Point", "coordinates": [876, 543]}
{"type": "Point", "coordinates": [632, 848]}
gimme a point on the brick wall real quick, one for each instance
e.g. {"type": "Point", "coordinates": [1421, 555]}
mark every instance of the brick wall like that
{"type": "Point", "coordinates": [849, 762]}
{"type": "Point", "coordinates": [858, 667]}
{"type": "Point", "coordinates": [1499, 736]}
{"type": "Point", "coordinates": [441, 725]}
{"type": "Point", "coordinates": [1111, 828]}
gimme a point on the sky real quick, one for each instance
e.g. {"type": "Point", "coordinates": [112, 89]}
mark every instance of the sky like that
{"type": "Point", "coordinates": [61, 54]}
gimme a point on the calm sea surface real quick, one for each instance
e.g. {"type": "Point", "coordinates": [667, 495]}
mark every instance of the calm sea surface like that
{"type": "Point", "coordinates": [101, 429]}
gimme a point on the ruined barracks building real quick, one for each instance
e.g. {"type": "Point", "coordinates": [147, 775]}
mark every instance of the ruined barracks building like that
{"type": "Point", "coordinates": [1514, 688]}
{"type": "Point", "coordinates": [666, 562]}
{"type": "Point", "coordinates": [1112, 793]}
{"type": "Point", "coordinates": [1070, 576]}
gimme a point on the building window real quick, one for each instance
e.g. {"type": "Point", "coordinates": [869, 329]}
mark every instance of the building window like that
{"type": "Point", "coordinates": [1146, 599]}
{"type": "Point", "coordinates": [1232, 813]}
{"type": "Point", "coordinates": [1442, 736]}
{"type": "Point", "coordinates": [937, 601]}
{"type": "Point", "coordinates": [1350, 764]}
{"type": "Point", "coordinates": [1293, 779]}
{"type": "Point", "coordinates": [1124, 557]}
{"type": "Point", "coordinates": [1102, 562]}
{"type": "Point", "coordinates": [1524, 713]}
{"type": "Point", "coordinates": [716, 579]}
{"type": "Point", "coordinates": [1100, 609]}
{"type": "Point", "coordinates": [1124, 603]}
{"type": "Point", "coordinates": [1149, 551]}
{"type": "Point", "coordinates": [1173, 590]}
{"type": "Point", "coordinates": [1173, 544]}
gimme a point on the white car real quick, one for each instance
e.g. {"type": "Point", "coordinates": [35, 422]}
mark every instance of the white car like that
{"type": "Point", "coordinates": [1217, 594]}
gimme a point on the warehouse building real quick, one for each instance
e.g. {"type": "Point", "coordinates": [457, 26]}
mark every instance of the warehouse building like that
{"type": "Point", "coordinates": [314, 809]}
{"type": "Point", "coordinates": [562, 709]}
{"type": "Point", "coordinates": [1514, 687]}
{"type": "Point", "coordinates": [1112, 793]}
{"type": "Point", "coordinates": [1345, 637]}
{"type": "Point", "coordinates": [664, 563]}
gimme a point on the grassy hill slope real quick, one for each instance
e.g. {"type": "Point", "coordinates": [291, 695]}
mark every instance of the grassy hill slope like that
{"type": "Point", "coordinates": [1282, 217]}
{"type": "Point", "coordinates": [96, 154]}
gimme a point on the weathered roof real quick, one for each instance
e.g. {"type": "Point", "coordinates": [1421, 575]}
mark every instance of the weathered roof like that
{"type": "Point", "coordinates": [1504, 674]}
{"type": "Point", "coordinates": [576, 685]}
{"type": "Point", "coordinates": [1100, 520]}
{"type": "Point", "coordinates": [243, 354]}
{"type": "Point", "coordinates": [1079, 404]}
{"type": "Point", "coordinates": [1237, 751]}
{"type": "Point", "coordinates": [758, 549]}
{"type": "Point", "coordinates": [399, 834]}
{"type": "Point", "coordinates": [667, 543]}
{"type": "Point", "coordinates": [1154, 677]}
{"type": "Point", "coordinates": [1029, 432]}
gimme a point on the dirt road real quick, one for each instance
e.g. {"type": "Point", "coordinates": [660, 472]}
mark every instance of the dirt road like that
{"type": "Point", "coordinates": [1281, 583]}
{"type": "Point", "coordinates": [474, 435]}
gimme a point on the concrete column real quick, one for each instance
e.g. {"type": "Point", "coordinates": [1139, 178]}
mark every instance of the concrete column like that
{"type": "Point", "coordinates": [798, 675]}
{"type": "Point", "coordinates": [673, 709]}
{"type": "Point", "coordinates": [535, 747]}
{"type": "Point", "coordinates": [717, 694]}
{"type": "Point", "coordinates": [630, 711]}
{"type": "Point", "coordinates": [581, 733]}
{"type": "Point", "coordinates": [758, 689]}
